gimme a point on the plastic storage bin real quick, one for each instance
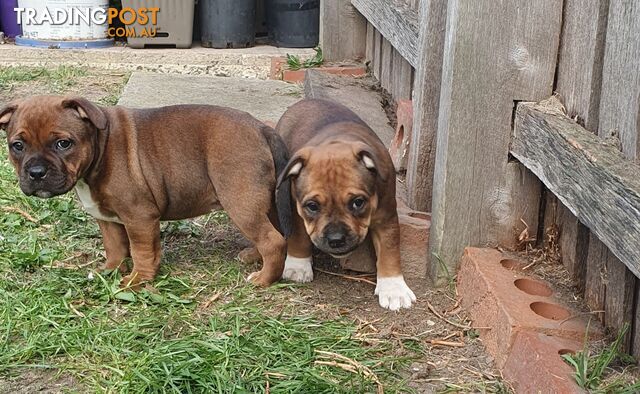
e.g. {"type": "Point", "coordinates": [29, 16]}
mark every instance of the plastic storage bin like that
{"type": "Point", "coordinates": [68, 31]}
{"type": "Point", "coordinates": [227, 23]}
{"type": "Point", "coordinates": [293, 23]}
{"type": "Point", "coordinates": [8, 23]}
{"type": "Point", "coordinates": [174, 27]}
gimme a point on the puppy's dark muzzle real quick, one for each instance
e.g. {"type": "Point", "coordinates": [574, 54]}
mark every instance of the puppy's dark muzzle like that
{"type": "Point", "coordinates": [337, 241]}
{"type": "Point", "coordinates": [44, 181]}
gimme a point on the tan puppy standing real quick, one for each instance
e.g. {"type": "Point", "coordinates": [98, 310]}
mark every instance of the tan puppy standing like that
{"type": "Point", "coordinates": [132, 168]}
{"type": "Point", "coordinates": [344, 187]}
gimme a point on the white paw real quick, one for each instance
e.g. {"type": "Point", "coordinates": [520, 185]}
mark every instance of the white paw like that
{"type": "Point", "coordinates": [298, 269]}
{"type": "Point", "coordinates": [393, 293]}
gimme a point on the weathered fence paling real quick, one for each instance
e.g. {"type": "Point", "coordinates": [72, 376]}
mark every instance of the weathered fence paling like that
{"type": "Point", "coordinates": [396, 22]}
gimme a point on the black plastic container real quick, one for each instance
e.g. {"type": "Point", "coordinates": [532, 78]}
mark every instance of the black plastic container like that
{"type": "Point", "coordinates": [227, 23]}
{"type": "Point", "coordinates": [293, 23]}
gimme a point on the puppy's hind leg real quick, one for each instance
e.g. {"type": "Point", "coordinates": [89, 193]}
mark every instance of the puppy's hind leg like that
{"type": "Point", "coordinates": [251, 217]}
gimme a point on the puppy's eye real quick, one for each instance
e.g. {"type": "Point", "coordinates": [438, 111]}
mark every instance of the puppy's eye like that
{"type": "Point", "coordinates": [18, 146]}
{"type": "Point", "coordinates": [358, 203]}
{"type": "Point", "coordinates": [312, 207]}
{"type": "Point", "coordinates": [64, 144]}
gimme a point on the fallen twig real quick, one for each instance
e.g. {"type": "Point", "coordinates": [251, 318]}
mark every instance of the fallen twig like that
{"type": "Point", "coordinates": [357, 279]}
{"type": "Point", "coordinates": [348, 365]}
{"type": "Point", "coordinates": [21, 212]}
{"type": "Point", "coordinates": [77, 312]}
{"type": "Point", "coordinates": [438, 342]}
{"type": "Point", "coordinates": [433, 310]}
{"type": "Point", "coordinates": [211, 300]}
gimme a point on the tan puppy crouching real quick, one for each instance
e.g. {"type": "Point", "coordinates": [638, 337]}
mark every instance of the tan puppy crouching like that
{"type": "Point", "coordinates": [132, 168]}
{"type": "Point", "coordinates": [343, 185]}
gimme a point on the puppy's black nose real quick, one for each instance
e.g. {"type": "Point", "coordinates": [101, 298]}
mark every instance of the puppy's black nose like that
{"type": "Point", "coordinates": [37, 172]}
{"type": "Point", "coordinates": [337, 240]}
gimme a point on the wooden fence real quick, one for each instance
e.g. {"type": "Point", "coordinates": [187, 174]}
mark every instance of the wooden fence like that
{"type": "Point", "coordinates": [487, 164]}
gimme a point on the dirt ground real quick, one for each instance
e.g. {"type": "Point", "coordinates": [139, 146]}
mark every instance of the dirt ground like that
{"type": "Point", "coordinates": [458, 365]}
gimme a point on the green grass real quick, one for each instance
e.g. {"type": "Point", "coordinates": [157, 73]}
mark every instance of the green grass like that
{"type": "Point", "coordinates": [58, 79]}
{"type": "Point", "coordinates": [591, 369]}
{"type": "Point", "coordinates": [52, 317]}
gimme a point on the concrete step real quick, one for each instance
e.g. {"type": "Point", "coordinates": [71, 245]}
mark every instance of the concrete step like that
{"type": "Point", "coordinates": [359, 94]}
{"type": "Point", "coordinates": [266, 100]}
{"type": "Point", "coordinates": [245, 63]}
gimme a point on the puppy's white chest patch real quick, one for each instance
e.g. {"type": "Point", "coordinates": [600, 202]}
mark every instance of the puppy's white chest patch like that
{"type": "Point", "coordinates": [90, 205]}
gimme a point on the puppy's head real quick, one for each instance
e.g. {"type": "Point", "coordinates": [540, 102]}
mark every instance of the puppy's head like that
{"type": "Point", "coordinates": [51, 141]}
{"type": "Point", "coordinates": [334, 187]}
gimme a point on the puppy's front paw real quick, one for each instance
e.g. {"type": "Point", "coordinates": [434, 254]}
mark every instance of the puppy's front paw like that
{"type": "Point", "coordinates": [393, 293]}
{"type": "Point", "coordinates": [298, 269]}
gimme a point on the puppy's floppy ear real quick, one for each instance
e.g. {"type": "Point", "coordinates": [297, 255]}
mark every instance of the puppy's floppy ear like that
{"type": "Point", "coordinates": [6, 113]}
{"type": "Point", "coordinates": [370, 160]}
{"type": "Point", "coordinates": [294, 166]}
{"type": "Point", "coordinates": [87, 110]}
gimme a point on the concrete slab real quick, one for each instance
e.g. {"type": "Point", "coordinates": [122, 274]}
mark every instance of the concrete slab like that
{"type": "Point", "coordinates": [356, 93]}
{"type": "Point", "coordinates": [246, 62]}
{"type": "Point", "coordinates": [266, 100]}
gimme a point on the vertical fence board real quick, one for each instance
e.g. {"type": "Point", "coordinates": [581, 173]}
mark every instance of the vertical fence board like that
{"type": "Point", "coordinates": [620, 105]}
{"type": "Point", "coordinates": [377, 53]}
{"type": "Point", "coordinates": [594, 292]}
{"type": "Point", "coordinates": [574, 243]}
{"type": "Point", "coordinates": [343, 30]}
{"type": "Point", "coordinates": [369, 47]}
{"type": "Point", "coordinates": [401, 77]}
{"type": "Point", "coordinates": [426, 101]}
{"type": "Point", "coordinates": [578, 82]}
{"type": "Point", "coordinates": [494, 53]}
{"type": "Point", "coordinates": [619, 116]}
{"type": "Point", "coordinates": [386, 62]}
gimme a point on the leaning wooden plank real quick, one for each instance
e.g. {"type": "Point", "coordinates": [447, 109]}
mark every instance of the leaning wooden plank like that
{"type": "Point", "coordinates": [494, 53]}
{"type": "Point", "coordinates": [590, 177]}
{"type": "Point", "coordinates": [397, 22]}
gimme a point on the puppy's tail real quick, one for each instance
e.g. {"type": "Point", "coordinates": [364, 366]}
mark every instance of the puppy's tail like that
{"type": "Point", "coordinates": [280, 155]}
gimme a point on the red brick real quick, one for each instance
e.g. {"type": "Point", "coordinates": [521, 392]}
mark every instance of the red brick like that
{"type": "Point", "coordinates": [277, 64]}
{"type": "Point", "coordinates": [293, 75]}
{"type": "Point", "coordinates": [399, 149]}
{"type": "Point", "coordinates": [535, 364]}
{"type": "Point", "coordinates": [491, 297]}
{"type": "Point", "coordinates": [298, 75]}
{"type": "Point", "coordinates": [414, 241]}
